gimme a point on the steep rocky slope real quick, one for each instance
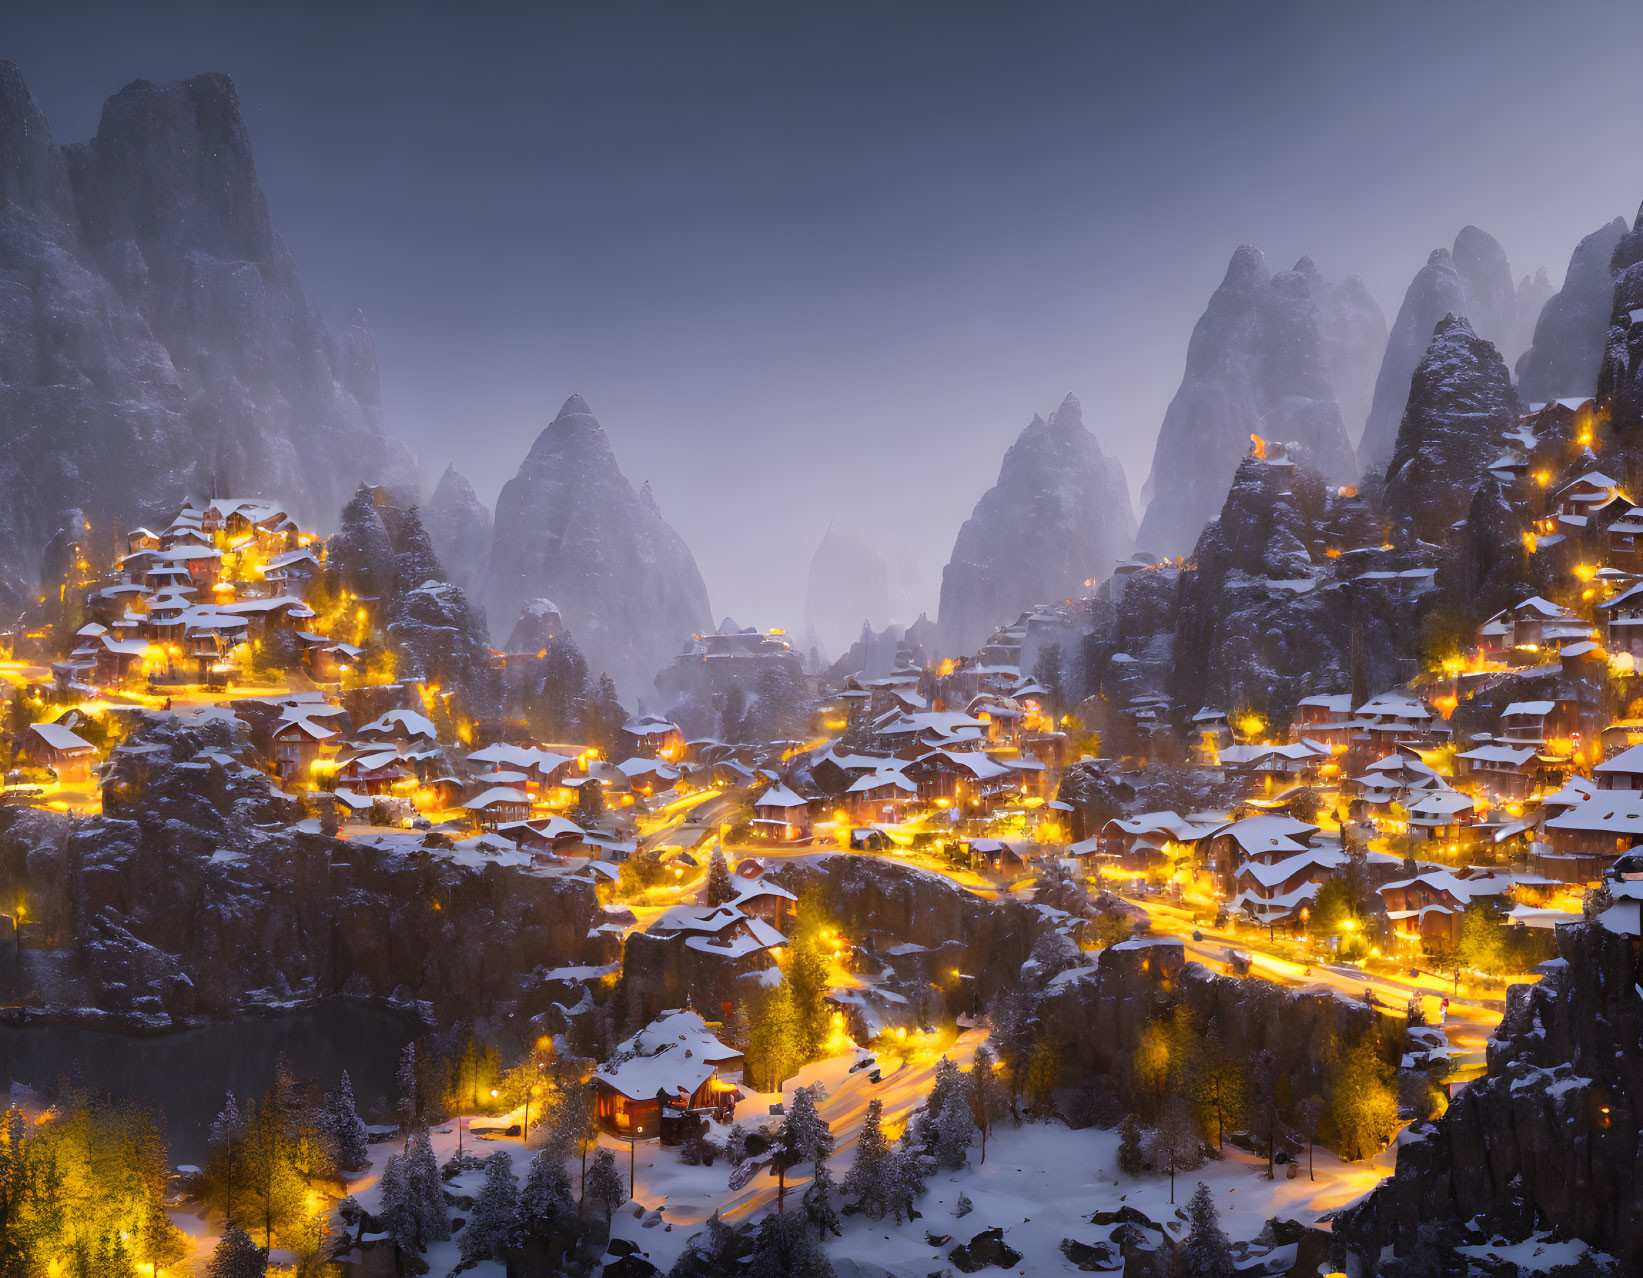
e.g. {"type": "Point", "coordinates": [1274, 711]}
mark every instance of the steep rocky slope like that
{"type": "Point", "coordinates": [1460, 403]}
{"type": "Point", "coordinates": [1549, 1139]}
{"type": "Point", "coordinates": [1258, 364]}
{"type": "Point", "coordinates": [154, 334]}
{"type": "Point", "coordinates": [571, 527]}
{"type": "Point", "coordinates": [1059, 515]}
{"type": "Point", "coordinates": [461, 528]}
{"type": "Point", "coordinates": [1569, 333]}
{"type": "Point", "coordinates": [1491, 298]}
{"type": "Point", "coordinates": [192, 892]}
{"type": "Point", "coordinates": [1437, 290]}
{"type": "Point", "coordinates": [848, 587]}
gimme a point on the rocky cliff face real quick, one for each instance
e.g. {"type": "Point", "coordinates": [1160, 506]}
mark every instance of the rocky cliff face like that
{"type": "Point", "coordinates": [154, 335]}
{"type": "Point", "coordinates": [192, 892]}
{"type": "Point", "coordinates": [1437, 290]}
{"type": "Point", "coordinates": [1258, 364]}
{"type": "Point", "coordinates": [1059, 515]}
{"type": "Point", "coordinates": [1620, 378]}
{"type": "Point", "coordinates": [1567, 349]}
{"type": "Point", "coordinates": [1354, 332]}
{"type": "Point", "coordinates": [570, 527]}
{"type": "Point", "coordinates": [1460, 402]}
{"type": "Point", "coordinates": [1533, 292]}
{"type": "Point", "coordinates": [1491, 298]}
{"type": "Point", "coordinates": [461, 528]}
{"type": "Point", "coordinates": [1549, 1139]}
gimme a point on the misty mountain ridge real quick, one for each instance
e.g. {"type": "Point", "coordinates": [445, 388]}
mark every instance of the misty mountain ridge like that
{"type": "Point", "coordinates": [155, 339]}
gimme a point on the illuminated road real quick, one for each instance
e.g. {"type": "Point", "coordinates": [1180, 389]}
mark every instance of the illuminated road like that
{"type": "Point", "coordinates": [1473, 1014]}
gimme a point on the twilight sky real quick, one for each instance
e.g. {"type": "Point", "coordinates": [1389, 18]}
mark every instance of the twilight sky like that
{"type": "Point", "coordinates": [817, 261]}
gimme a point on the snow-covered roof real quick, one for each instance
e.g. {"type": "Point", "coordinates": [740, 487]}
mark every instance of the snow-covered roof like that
{"type": "Point", "coordinates": [58, 737]}
{"type": "Point", "coordinates": [1628, 761]}
{"type": "Point", "coordinates": [1533, 708]}
{"type": "Point", "coordinates": [1606, 812]}
{"type": "Point", "coordinates": [500, 794]}
{"type": "Point", "coordinates": [408, 721]}
{"type": "Point", "coordinates": [674, 1053]}
{"type": "Point", "coordinates": [779, 796]}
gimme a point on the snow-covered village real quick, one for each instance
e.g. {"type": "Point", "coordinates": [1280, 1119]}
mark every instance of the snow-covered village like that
{"type": "Point", "coordinates": [851, 829]}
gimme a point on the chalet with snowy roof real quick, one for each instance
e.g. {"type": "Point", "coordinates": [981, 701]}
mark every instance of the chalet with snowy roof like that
{"type": "Point", "coordinates": [722, 931]}
{"type": "Point", "coordinates": [1326, 717]}
{"type": "Point", "coordinates": [1588, 836]}
{"type": "Point", "coordinates": [1426, 909]}
{"type": "Point", "coordinates": [300, 743]}
{"type": "Point", "coordinates": [1540, 723]}
{"type": "Point", "coordinates": [960, 776]}
{"type": "Point", "coordinates": [781, 814]}
{"type": "Point", "coordinates": [1396, 717]}
{"type": "Point", "coordinates": [371, 769]}
{"type": "Point", "coordinates": [498, 805]}
{"type": "Point", "coordinates": [1622, 618]}
{"type": "Point", "coordinates": [51, 745]}
{"type": "Point", "coordinates": [762, 898]}
{"type": "Point", "coordinates": [1264, 838]}
{"type": "Point", "coordinates": [676, 1063]}
{"type": "Point", "coordinates": [1506, 771]}
{"type": "Point", "coordinates": [650, 734]}
{"type": "Point", "coordinates": [1146, 841]}
{"type": "Point", "coordinates": [555, 834]}
{"type": "Point", "coordinates": [1623, 771]}
{"type": "Point", "coordinates": [1441, 816]}
{"type": "Point", "coordinates": [400, 725]}
{"type": "Point", "coordinates": [880, 796]}
{"type": "Point", "coordinates": [1278, 893]}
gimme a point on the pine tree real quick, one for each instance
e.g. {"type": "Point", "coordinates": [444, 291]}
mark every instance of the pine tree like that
{"type": "Point", "coordinates": [1206, 1253]}
{"type": "Point", "coordinates": [157, 1242]}
{"type": "Point", "coordinates": [720, 889]}
{"type": "Point", "coordinates": [236, 1256]}
{"type": "Point", "coordinates": [869, 1175]}
{"type": "Point", "coordinates": [491, 1222]}
{"type": "Point", "coordinates": [803, 1137]}
{"type": "Point", "coordinates": [427, 1189]}
{"type": "Point", "coordinates": [1131, 1159]}
{"type": "Point", "coordinates": [955, 1133]}
{"type": "Point", "coordinates": [397, 1211]}
{"type": "Point", "coordinates": [545, 1204]}
{"type": "Point", "coordinates": [415, 560]}
{"type": "Point", "coordinates": [114, 1258]}
{"type": "Point", "coordinates": [984, 1095]}
{"type": "Point", "coordinates": [604, 1186]}
{"type": "Point", "coordinates": [904, 1179]}
{"type": "Point", "coordinates": [360, 555]}
{"type": "Point", "coordinates": [406, 1078]}
{"type": "Point", "coordinates": [806, 977]}
{"type": "Point", "coordinates": [349, 1138]}
{"type": "Point", "coordinates": [783, 1248]}
{"type": "Point", "coordinates": [1176, 1144]}
{"type": "Point", "coordinates": [818, 1203]}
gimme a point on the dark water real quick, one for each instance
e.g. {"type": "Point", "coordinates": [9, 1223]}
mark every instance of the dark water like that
{"type": "Point", "coordinates": [186, 1073]}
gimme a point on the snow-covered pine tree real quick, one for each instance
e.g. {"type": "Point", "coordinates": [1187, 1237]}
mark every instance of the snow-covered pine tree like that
{"type": "Point", "coordinates": [604, 1187]}
{"type": "Point", "coordinates": [818, 1202]}
{"type": "Point", "coordinates": [868, 1177]}
{"type": "Point", "coordinates": [904, 1179]}
{"type": "Point", "coordinates": [405, 1077]}
{"type": "Point", "coordinates": [803, 1137]}
{"type": "Point", "coordinates": [719, 888]}
{"type": "Point", "coordinates": [342, 1122]}
{"type": "Point", "coordinates": [546, 1203]}
{"type": "Point", "coordinates": [397, 1211]}
{"type": "Point", "coordinates": [985, 1095]}
{"type": "Point", "coordinates": [1131, 1159]}
{"type": "Point", "coordinates": [427, 1189]}
{"type": "Point", "coordinates": [955, 1132]}
{"type": "Point", "coordinates": [236, 1256]}
{"type": "Point", "coordinates": [228, 1123]}
{"type": "Point", "coordinates": [495, 1209]}
{"type": "Point", "coordinates": [783, 1248]}
{"type": "Point", "coordinates": [1206, 1253]}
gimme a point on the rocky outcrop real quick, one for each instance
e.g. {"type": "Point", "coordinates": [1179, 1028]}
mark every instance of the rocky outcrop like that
{"type": "Point", "coordinates": [1437, 290]}
{"type": "Point", "coordinates": [1354, 332]}
{"type": "Point", "coordinates": [1533, 292]}
{"type": "Point", "coordinates": [1549, 1139]}
{"type": "Point", "coordinates": [154, 334]}
{"type": "Point", "coordinates": [1460, 403]}
{"type": "Point", "coordinates": [849, 587]}
{"type": "Point", "coordinates": [192, 893]}
{"type": "Point", "coordinates": [1567, 350]}
{"type": "Point", "coordinates": [1258, 364]}
{"type": "Point", "coordinates": [1058, 517]}
{"type": "Point", "coordinates": [572, 528]}
{"type": "Point", "coordinates": [461, 529]}
{"type": "Point", "coordinates": [1491, 298]}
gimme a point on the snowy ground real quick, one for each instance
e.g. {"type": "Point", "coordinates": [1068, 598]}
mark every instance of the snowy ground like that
{"type": "Point", "coordinates": [1040, 1183]}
